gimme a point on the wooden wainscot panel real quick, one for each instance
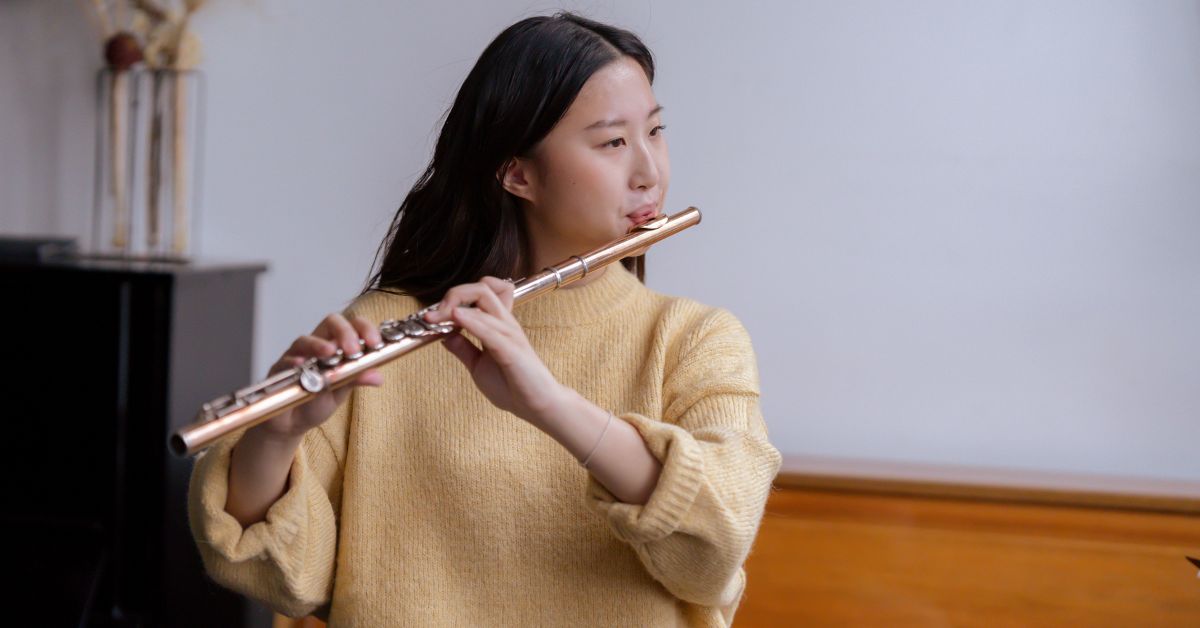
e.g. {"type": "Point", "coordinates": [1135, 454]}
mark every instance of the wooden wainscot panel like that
{"type": "Point", "coordinates": [854, 543]}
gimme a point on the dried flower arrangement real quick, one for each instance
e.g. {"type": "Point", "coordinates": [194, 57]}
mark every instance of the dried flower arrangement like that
{"type": "Point", "coordinates": [152, 34]}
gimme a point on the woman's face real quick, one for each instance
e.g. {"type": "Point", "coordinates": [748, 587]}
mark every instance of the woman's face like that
{"type": "Point", "coordinates": [601, 170]}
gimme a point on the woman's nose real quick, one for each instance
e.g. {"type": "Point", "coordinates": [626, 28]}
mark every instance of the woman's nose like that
{"type": "Point", "coordinates": [645, 168]}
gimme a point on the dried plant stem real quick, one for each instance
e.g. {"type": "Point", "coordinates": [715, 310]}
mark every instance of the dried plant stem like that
{"type": "Point", "coordinates": [179, 180]}
{"type": "Point", "coordinates": [118, 145]}
{"type": "Point", "coordinates": [154, 165]}
{"type": "Point", "coordinates": [151, 9]}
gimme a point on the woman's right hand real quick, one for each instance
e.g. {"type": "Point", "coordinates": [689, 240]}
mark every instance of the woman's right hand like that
{"type": "Point", "coordinates": [333, 333]}
{"type": "Point", "coordinates": [261, 460]}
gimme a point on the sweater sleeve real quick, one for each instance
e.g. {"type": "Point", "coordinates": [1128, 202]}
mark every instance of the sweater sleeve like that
{"type": "Point", "coordinates": [287, 560]}
{"type": "Point", "coordinates": [696, 530]}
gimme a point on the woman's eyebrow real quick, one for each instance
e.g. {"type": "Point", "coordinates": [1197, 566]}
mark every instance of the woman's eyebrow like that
{"type": "Point", "coordinates": [604, 124]}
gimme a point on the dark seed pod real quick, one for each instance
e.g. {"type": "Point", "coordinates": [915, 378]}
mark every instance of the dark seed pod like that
{"type": "Point", "coordinates": [122, 51]}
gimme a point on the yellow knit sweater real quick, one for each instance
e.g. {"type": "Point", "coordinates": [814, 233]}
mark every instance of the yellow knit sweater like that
{"type": "Point", "coordinates": [421, 504]}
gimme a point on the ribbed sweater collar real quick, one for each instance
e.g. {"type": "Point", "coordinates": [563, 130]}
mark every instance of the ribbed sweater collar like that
{"type": "Point", "coordinates": [581, 305]}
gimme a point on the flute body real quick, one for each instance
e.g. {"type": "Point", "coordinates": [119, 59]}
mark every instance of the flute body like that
{"type": "Point", "coordinates": [287, 389]}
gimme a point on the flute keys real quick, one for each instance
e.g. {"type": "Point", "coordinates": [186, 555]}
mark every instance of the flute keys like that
{"type": "Point", "coordinates": [311, 378]}
{"type": "Point", "coordinates": [332, 360]}
{"type": "Point", "coordinates": [391, 331]}
{"type": "Point", "coordinates": [413, 327]}
{"type": "Point", "coordinates": [362, 344]}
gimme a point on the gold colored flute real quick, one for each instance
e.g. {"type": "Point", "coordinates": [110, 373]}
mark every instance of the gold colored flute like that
{"type": "Point", "coordinates": [287, 389]}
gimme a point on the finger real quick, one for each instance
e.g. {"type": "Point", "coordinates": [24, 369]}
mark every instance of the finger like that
{"type": "Point", "coordinates": [488, 301]}
{"type": "Point", "coordinates": [335, 327]}
{"type": "Point", "coordinates": [462, 294]}
{"type": "Point", "coordinates": [286, 362]}
{"type": "Point", "coordinates": [322, 328]}
{"type": "Point", "coordinates": [312, 346]}
{"type": "Point", "coordinates": [488, 330]}
{"type": "Point", "coordinates": [479, 294]}
{"type": "Point", "coordinates": [366, 331]}
{"type": "Point", "coordinates": [464, 350]}
{"type": "Point", "coordinates": [371, 377]}
{"type": "Point", "coordinates": [504, 289]}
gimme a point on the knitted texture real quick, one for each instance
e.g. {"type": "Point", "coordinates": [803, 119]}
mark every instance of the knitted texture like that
{"type": "Point", "coordinates": [421, 504]}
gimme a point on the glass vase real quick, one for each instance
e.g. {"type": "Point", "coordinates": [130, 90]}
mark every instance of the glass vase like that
{"type": "Point", "coordinates": [149, 146]}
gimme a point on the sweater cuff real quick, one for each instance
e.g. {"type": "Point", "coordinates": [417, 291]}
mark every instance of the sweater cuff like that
{"type": "Point", "coordinates": [678, 484]}
{"type": "Point", "coordinates": [221, 532]}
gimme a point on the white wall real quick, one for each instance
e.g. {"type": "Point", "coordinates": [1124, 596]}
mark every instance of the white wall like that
{"type": "Point", "coordinates": [958, 232]}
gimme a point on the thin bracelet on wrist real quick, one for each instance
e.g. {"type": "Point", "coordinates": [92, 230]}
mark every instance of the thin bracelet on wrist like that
{"type": "Point", "coordinates": [588, 459]}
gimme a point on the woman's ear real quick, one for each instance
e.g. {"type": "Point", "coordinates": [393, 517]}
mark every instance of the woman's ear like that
{"type": "Point", "coordinates": [517, 176]}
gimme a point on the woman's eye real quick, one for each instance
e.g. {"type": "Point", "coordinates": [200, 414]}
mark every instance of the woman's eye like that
{"type": "Point", "coordinates": [616, 142]}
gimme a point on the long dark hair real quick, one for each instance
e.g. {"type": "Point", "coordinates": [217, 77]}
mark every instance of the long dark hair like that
{"type": "Point", "coordinates": [458, 223]}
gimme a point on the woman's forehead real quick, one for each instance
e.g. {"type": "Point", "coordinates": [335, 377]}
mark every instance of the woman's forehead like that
{"type": "Point", "coordinates": [617, 93]}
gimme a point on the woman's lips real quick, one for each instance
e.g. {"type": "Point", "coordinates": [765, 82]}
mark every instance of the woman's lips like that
{"type": "Point", "coordinates": [644, 214]}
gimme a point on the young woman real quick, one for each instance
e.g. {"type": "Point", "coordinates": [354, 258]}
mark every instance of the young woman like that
{"type": "Point", "coordinates": [446, 488]}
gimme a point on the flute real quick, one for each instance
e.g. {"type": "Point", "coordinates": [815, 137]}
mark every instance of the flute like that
{"type": "Point", "coordinates": [247, 407]}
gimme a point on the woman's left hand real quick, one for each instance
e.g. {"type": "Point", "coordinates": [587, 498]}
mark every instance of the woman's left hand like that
{"type": "Point", "coordinates": [506, 370]}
